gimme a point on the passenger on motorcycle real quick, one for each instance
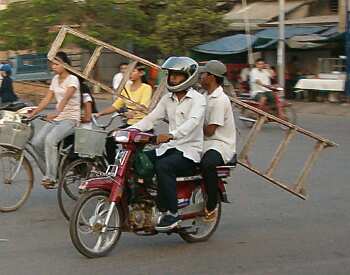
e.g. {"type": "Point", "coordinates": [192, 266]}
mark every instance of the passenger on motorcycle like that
{"type": "Point", "coordinates": [260, 76]}
{"type": "Point", "coordinates": [65, 87]}
{"type": "Point", "coordinates": [219, 131]}
{"type": "Point", "coordinates": [181, 148]}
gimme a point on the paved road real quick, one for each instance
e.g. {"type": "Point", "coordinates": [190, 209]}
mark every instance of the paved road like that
{"type": "Point", "coordinates": [263, 231]}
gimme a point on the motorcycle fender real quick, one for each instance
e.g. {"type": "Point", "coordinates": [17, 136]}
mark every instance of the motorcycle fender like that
{"type": "Point", "coordinates": [117, 190]}
{"type": "Point", "coordinates": [222, 191]}
{"type": "Point", "coordinates": [98, 183]}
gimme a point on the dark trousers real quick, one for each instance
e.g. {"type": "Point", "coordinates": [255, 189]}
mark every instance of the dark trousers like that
{"type": "Point", "coordinates": [168, 166]}
{"type": "Point", "coordinates": [210, 160]}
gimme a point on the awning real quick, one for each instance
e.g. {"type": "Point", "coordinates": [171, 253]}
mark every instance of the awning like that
{"type": "Point", "coordinates": [269, 37]}
{"type": "Point", "coordinates": [259, 13]}
{"type": "Point", "coordinates": [310, 20]}
{"type": "Point", "coordinates": [315, 40]}
{"type": "Point", "coordinates": [296, 37]}
{"type": "Point", "coordinates": [227, 45]}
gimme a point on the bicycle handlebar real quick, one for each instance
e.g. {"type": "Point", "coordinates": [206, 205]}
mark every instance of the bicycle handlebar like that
{"type": "Point", "coordinates": [104, 126]}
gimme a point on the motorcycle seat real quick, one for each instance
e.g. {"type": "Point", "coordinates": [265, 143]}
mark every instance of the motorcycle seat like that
{"type": "Point", "coordinates": [223, 171]}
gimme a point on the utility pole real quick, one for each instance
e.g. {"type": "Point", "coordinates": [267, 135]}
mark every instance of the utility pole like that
{"type": "Point", "coordinates": [281, 45]}
{"type": "Point", "coordinates": [347, 48]}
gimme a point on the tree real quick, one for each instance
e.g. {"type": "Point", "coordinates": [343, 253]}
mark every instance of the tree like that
{"type": "Point", "coordinates": [186, 23]}
{"type": "Point", "coordinates": [171, 26]}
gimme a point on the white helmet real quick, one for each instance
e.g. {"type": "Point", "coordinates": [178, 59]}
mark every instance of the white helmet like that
{"type": "Point", "coordinates": [184, 65]}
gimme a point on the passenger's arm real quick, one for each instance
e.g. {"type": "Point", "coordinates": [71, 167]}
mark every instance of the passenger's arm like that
{"type": "Point", "coordinates": [87, 112]}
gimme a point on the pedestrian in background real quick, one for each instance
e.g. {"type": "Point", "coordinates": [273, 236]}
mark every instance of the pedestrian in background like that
{"type": "Point", "coordinates": [6, 89]}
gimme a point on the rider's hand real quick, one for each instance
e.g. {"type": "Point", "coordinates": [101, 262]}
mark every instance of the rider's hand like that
{"type": "Point", "coordinates": [31, 113]}
{"type": "Point", "coordinates": [163, 138]}
{"type": "Point", "coordinates": [51, 116]}
{"type": "Point", "coordinates": [130, 114]}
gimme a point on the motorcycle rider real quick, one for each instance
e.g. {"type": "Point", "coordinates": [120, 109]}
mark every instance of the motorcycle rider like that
{"type": "Point", "coordinates": [259, 77]}
{"type": "Point", "coordinates": [219, 132]}
{"type": "Point", "coordinates": [181, 148]}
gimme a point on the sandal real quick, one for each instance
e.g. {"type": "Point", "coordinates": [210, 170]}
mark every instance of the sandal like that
{"type": "Point", "coordinates": [49, 184]}
{"type": "Point", "coordinates": [209, 216]}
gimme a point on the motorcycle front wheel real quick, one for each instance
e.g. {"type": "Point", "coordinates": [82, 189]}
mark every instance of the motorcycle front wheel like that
{"type": "Point", "coordinates": [202, 230]}
{"type": "Point", "coordinates": [91, 235]}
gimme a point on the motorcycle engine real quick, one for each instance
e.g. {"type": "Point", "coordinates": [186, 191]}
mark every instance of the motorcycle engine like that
{"type": "Point", "coordinates": [142, 216]}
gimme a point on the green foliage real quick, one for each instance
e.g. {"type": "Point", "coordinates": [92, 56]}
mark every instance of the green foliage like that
{"type": "Point", "coordinates": [170, 26]}
{"type": "Point", "coordinates": [186, 23]}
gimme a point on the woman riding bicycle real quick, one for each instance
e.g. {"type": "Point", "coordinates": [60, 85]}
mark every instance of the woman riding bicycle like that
{"type": "Point", "coordinates": [65, 87]}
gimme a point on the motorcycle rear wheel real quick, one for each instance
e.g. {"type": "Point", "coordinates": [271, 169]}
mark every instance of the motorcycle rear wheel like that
{"type": "Point", "coordinates": [204, 229]}
{"type": "Point", "coordinates": [90, 221]}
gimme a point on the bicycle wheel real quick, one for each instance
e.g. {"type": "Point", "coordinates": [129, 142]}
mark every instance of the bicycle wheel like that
{"type": "Point", "coordinates": [73, 175]}
{"type": "Point", "coordinates": [16, 180]}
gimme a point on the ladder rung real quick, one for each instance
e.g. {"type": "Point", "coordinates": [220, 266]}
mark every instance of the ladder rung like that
{"type": "Point", "coordinates": [300, 182]}
{"type": "Point", "coordinates": [125, 79]}
{"type": "Point", "coordinates": [252, 137]}
{"type": "Point", "coordinates": [279, 152]}
{"type": "Point", "coordinates": [92, 62]}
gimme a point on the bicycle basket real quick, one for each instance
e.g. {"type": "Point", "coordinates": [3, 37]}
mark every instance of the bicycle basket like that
{"type": "Point", "coordinates": [89, 142]}
{"type": "Point", "coordinates": [14, 134]}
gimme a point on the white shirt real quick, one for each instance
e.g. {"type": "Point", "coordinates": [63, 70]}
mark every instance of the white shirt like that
{"type": "Point", "coordinates": [186, 118]}
{"type": "Point", "coordinates": [219, 112]}
{"type": "Point", "coordinates": [264, 77]}
{"type": "Point", "coordinates": [72, 108]}
{"type": "Point", "coordinates": [86, 98]}
{"type": "Point", "coordinates": [117, 79]}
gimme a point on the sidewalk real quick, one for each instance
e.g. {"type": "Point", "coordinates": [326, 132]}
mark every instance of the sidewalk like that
{"type": "Point", "coordinates": [330, 109]}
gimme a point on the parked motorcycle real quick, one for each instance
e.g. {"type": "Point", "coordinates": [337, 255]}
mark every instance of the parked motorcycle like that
{"type": "Point", "coordinates": [280, 108]}
{"type": "Point", "coordinates": [120, 201]}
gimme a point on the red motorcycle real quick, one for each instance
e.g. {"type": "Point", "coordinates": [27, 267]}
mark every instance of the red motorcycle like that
{"type": "Point", "coordinates": [118, 201]}
{"type": "Point", "coordinates": [280, 108]}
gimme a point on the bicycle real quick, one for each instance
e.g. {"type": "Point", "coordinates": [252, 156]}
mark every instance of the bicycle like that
{"type": "Point", "coordinates": [90, 144]}
{"type": "Point", "coordinates": [16, 131]}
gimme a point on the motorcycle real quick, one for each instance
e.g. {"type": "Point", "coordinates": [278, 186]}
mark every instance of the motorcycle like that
{"type": "Point", "coordinates": [281, 108]}
{"type": "Point", "coordinates": [119, 201]}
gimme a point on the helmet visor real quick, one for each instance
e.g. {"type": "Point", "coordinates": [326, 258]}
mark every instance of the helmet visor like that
{"type": "Point", "coordinates": [177, 64]}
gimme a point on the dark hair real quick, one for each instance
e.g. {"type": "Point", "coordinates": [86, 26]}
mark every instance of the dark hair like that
{"type": "Point", "coordinates": [260, 60]}
{"type": "Point", "coordinates": [140, 67]}
{"type": "Point", "coordinates": [123, 64]}
{"type": "Point", "coordinates": [84, 89]}
{"type": "Point", "coordinates": [64, 57]}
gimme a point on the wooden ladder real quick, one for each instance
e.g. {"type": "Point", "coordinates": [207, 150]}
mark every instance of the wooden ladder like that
{"type": "Point", "coordinates": [100, 47]}
{"type": "Point", "coordinates": [298, 187]}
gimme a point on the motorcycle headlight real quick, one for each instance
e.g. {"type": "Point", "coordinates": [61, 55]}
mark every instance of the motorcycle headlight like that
{"type": "Point", "coordinates": [121, 136]}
